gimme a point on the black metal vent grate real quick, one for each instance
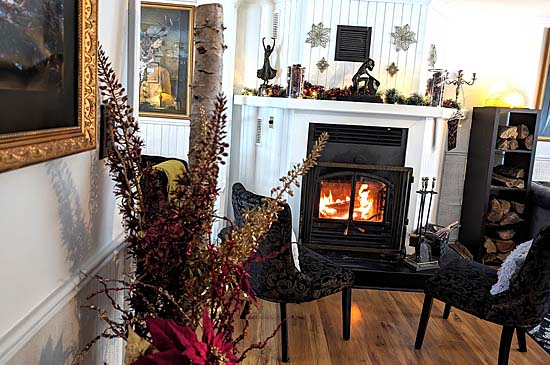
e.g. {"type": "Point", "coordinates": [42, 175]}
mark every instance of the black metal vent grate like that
{"type": "Point", "coordinates": [352, 43]}
{"type": "Point", "coordinates": [377, 136]}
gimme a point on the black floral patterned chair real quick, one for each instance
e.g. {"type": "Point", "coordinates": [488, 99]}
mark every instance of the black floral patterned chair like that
{"type": "Point", "coordinates": [277, 279]}
{"type": "Point", "coordinates": [466, 285]}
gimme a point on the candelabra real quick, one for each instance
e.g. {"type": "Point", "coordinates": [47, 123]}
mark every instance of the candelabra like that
{"type": "Point", "coordinates": [459, 81]}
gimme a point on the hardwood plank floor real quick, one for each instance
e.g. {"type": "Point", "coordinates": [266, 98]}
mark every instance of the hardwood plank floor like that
{"type": "Point", "coordinates": [383, 331]}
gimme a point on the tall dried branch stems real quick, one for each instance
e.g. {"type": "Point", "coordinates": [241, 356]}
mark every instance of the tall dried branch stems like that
{"type": "Point", "coordinates": [207, 75]}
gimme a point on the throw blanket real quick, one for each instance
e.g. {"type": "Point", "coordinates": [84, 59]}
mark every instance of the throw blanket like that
{"type": "Point", "coordinates": [173, 170]}
{"type": "Point", "coordinates": [510, 266]}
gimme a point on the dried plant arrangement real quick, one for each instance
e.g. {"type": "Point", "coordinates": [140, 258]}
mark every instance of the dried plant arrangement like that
{"type": "Point", "coordinates": [187, 287]}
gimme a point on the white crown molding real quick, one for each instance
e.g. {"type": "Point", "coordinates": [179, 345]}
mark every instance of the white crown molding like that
{"type": "Point", "coordinates": [23, 331]}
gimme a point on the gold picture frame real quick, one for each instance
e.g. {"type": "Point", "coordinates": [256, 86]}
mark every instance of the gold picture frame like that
{"type": "Point", "coordinates": [158, 112]}
{"type": "Point", "coordinates": [544, 67]}
{"type": "Point", "coordinates": [24, 148]}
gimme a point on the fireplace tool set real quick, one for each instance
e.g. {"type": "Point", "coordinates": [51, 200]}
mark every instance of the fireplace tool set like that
{"type": "Point", "coordinates": [427, 237]}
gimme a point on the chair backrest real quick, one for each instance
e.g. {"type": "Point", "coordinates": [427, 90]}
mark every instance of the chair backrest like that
{"type": "Point", "coordinates": [527, 300]}
{"type": "Point", "coordinates": [539, 207]}
{"type": "Point", "coordinates": [280, 233]}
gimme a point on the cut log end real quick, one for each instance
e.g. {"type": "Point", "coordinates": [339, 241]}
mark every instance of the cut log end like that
{"type": "Point", "coordinates": [513, 145]}
{"type": "Point", "coordinates": [528, 142]}
{"type": "Point", "coordinates": [508, 181]}
{"type": "Point", "coordinates": [508, 132]}
{"type": "Point", "coordinates": [489, 245]}
{"type": "Point", "coordinates": [508, 171]}
{"type": "Point", "coordinates": [510, 218]}
{"type": "Point", "coordinates": [506, 234]}
{"type": "Point", "coordinates": [523, 131]}
{"type": "Point", "coordinates": [495, 213]}
{"type": "Point", "coordinates": [503, 144]}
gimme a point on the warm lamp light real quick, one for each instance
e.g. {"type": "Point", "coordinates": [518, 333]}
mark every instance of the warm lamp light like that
{"type": "Point", "coordinates": [507, 99]}
{"type": "Point", "coordinates": [515, 99]}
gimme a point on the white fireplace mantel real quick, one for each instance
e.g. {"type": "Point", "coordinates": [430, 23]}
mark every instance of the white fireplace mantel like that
{"type": "Point", "coordinates": [344, 106]}
{"type": "Point", "coordinates": [269, 136]}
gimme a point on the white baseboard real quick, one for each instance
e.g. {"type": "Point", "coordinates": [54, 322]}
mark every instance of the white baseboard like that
{"type": "Point", "coordinates": [23, 331]}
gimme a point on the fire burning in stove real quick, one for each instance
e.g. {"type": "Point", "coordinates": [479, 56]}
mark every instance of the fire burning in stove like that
{"type": "Point", "coordinates": [368, 204]}
{"type": "Point", "coordinates": [334, 208]}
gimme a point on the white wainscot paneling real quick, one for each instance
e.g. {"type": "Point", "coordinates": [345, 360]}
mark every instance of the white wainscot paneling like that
{"type": "Point", "coordinates": [168, 138]}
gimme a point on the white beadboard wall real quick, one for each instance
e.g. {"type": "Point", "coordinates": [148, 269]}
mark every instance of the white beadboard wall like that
{"type": "Point", "coordinates": [168, 138]}
{"type": "Point", "coordinates": [295, 20]}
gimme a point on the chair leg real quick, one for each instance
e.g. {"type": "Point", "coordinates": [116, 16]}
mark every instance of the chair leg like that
{"type": "Point", "coordinates": [284, 333]}
{"type": "Point", "coordinates": [520, 333]}
{"type": "Point", "coordinates": [346, 313]}
{"type": "Point", "coordinates": [245, 311]}
{"type": "Point", "coordinates": [446, 311]}
{"type": "Point", "coordinates": [505, 343]}
{"type": "Point", "coordinates": [424, 318]}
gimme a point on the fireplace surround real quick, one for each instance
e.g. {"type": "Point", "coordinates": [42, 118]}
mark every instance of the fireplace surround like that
{"type": "Point", "coordinates": [356, 199]}
{"type": "Point", "coordinates": [269, 136]}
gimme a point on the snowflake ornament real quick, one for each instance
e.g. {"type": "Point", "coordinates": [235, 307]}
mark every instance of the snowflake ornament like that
{"type": "Point", "coordinates": [318, 35]}
{"type": "Point", "coordinates": [392, 69]}
{"type": "Point", "coordinates": [322, 65]}
{"type": "Point", "coordinates": [403, 37]}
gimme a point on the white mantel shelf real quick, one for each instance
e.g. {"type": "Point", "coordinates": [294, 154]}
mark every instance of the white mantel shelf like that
{"type": "Point", "coordinates": [344, 107]}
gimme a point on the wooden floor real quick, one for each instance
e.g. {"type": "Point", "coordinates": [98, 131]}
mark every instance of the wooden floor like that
{"type": "Point", "coordinates": [383, 331]}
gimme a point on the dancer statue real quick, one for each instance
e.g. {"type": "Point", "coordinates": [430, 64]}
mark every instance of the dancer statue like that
{"type": "Point", "coordinates": [267, 72]}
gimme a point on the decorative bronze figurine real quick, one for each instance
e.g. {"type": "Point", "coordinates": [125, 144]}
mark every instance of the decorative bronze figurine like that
{"type": "Point", "coordinates": [371, 84]}
{"type": "Point", "coordinates": [267, 72]}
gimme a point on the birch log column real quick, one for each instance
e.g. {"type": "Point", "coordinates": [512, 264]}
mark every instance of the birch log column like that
{"type": "Point", "coordinates": [207, 74]}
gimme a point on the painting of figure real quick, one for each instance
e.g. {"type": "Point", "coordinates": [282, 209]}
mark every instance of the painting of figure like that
{"type": "Point", "coordinates": [165, 60]}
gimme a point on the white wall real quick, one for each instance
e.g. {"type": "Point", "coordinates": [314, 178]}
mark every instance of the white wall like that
{"type": "Point", "coordinates": [501, 41]}
{"type": "Point", "coordinates": [295, 21]}
{"type": "Point", "coordinates": [56, 219]}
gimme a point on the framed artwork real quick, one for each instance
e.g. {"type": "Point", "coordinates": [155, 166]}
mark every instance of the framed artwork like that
{"type": "Point", "coordinates": [542, 95]}
{"type": "Point", "coordinates": [48, 79]}
{"type": "Point", "coordinates": [166, 59]}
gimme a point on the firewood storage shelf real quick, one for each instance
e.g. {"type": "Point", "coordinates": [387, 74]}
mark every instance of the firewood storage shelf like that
{"type": "Point", "coordinates": [480, 188]}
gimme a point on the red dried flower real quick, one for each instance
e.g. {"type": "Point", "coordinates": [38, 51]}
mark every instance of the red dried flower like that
{"type": "Point", "coordinates": [179, 345]}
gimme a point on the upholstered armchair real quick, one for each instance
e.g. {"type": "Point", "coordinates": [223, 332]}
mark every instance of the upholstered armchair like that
{"type": "Point", "coordinates": [466, 285]}
{"type": "Point", "coordinates": [277, 278]}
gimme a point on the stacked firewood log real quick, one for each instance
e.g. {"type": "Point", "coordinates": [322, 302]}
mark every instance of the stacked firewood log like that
{"type": "Point", "coordinates": [515, 137]}
{"type": "Point", "coordinates": [502, 220]}
{"type": "Point", "coordinates": [510, 177]}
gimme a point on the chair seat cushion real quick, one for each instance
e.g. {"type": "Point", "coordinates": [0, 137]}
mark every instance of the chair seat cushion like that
{"type": "Point", "coordinates": [318, 278]}
{"type": "Point", "coordinates": [464, 284]}
{"type": "Point", "coordinates": [324, 276]}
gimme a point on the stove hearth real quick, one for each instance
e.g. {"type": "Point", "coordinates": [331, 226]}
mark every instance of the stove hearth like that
{"type": "Point", "coordinates": [356, 199]}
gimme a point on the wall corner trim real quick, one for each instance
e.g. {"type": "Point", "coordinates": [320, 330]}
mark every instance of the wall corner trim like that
{"type": "Point", "coordinates": [22, 332]}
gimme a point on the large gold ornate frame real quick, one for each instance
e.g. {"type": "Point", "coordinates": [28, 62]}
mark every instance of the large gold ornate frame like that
{"type": "Point", "coordinates": [25, 148]}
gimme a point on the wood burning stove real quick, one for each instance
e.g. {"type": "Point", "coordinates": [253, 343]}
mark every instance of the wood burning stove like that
{"type": "Point", "coordinates": [357, 207]}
